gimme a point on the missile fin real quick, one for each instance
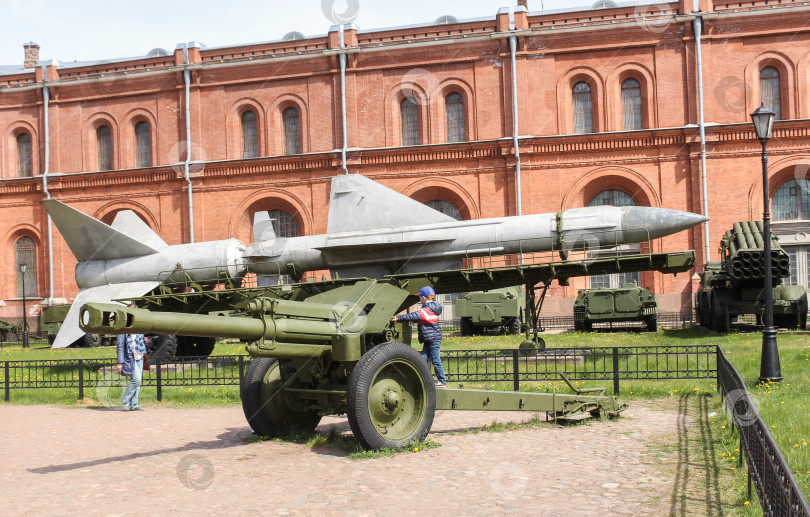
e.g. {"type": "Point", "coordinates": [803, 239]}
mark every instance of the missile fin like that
{"type": "Point", "coordinates": [128, 222]}
{"type": "Point", "coordinates": [358, 203]}
{"type": "Point", "coordinates": [263, 227]}
{"type": "Point", "coordinates": [70, 331]}
{"type": "Point", "coordinates": [90, 239]}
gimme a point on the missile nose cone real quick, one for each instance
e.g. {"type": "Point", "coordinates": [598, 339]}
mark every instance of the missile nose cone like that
{"type": "Point", "coordinates": [657, 222]}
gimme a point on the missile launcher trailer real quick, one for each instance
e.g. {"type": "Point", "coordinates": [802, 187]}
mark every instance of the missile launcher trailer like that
{"type": "Point", "coordinates": [500, 309]}
{"type": "Point", "coordinates": [626, 303]}
{"type": "Point", "coordinates": [734, 285]}
{"type": "Point", "coordinates": [330, 347]}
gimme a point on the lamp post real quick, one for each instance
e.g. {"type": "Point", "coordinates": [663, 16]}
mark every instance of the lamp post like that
{"type": "Point", "coordinates": [769, 369]}
{"type": "Point", "coordinates": [25, 320]}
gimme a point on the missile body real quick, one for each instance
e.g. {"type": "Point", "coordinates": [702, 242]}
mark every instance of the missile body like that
{"type": "Point", "coordinates": [372, 231]}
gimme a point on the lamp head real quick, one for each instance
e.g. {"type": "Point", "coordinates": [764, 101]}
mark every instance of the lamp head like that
{"type": "Point", "coordinates": [763, 122]}
{"type": "Point", "coordinates": [23, 267]}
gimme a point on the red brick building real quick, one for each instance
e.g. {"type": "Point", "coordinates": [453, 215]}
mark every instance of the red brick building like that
{"type": "Point", "coordinates": [608, 104]}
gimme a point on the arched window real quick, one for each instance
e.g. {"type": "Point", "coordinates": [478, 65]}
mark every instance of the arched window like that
{"type": "Point", "coordinates": [250, 138]}
{"type": "Point", "coordinates": [583, 109]}
{"type": "Point", "coordinates": [631, 105]}
{"type": "Point", "coordinates": [409, 113]}
{"type": "Point", "coordinates": [26, 251]}
{"type": "Point", "coordinates": [615, 198]}
{"type": "Point", "coordinates": [445, 207]}
{"type": "Point", "coordinates": [454, 112]}
{"type": "Point", "coordinates": [24, 161]}
{"type": "Point", "coordinates": [770, 90]}
{"type": "Point", "coordinates": [104, 138]}
{"type": "Point", "coordinates": [283, 223]}
{"type": "Point", "coordinates": [292, 131]}
{"type": "Point", "coordinates": [791, 201]}
{"type": "Point", "coordinates": [143, 145]}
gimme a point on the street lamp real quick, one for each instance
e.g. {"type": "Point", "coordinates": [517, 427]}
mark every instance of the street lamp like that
{"type": "Point", "coordinates": [25, 320]}
{"type": "Point", "coordinates": [769, 369]}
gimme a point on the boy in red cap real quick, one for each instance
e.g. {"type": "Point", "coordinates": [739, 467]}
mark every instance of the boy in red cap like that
{"type": "Point", "coordinates": [430, 334]}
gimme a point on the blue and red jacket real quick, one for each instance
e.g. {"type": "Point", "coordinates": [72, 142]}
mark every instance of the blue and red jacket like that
{"type": "Point", "coordinates": [427, 319]}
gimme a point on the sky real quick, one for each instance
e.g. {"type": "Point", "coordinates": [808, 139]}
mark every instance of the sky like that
{"type": "Point", "coordinates": [86, 30]}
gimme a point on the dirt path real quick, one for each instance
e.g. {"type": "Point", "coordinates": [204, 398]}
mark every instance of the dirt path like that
{"type": "Point", "coordinates": [88, 461]}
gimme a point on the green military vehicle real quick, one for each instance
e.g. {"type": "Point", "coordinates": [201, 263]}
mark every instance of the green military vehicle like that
{"type": "Point", "coordinates": [52, 318]}
{"type": "Point", "coordinates": [7, 328]}
{"type": "Point", "coordinates": [626, 303]}
{"type": "Point", "coordinates": [733, 285]}
{"type": "Point", "coordinates": [498, 309]}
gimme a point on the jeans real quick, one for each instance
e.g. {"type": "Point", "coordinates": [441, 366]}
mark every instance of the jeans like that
{"type": "Point", "coordinates": [130, 398]}
{"type": "Point", "coordinates": [430, 351]}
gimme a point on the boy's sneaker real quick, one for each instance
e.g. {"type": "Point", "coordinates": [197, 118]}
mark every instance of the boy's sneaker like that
{"type": "Point", "coordinates": [440, 384]}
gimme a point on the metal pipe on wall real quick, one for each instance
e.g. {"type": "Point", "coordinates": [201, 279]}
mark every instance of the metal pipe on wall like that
{"type": "Point", "coordinates": [697, 24]}
{"type": "Point", "coordinates": [342, 58]}
{"type": "Point", "coordinates": [187, 164]}
{"type": "Point", "coordinates": [46, 161]}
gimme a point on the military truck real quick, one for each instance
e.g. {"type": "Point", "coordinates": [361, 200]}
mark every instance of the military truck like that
{"type": "Point", "coordinates": [626, 303]}
{"type": "Point", "coordinates": [498, 309]}
{"type": "Point", "coordinates": [733, 285]}
{"type": "Point", "coordinates": [7, 328]}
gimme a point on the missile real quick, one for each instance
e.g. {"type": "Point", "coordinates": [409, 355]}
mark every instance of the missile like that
{"type": "Point", "coordinates": [372, 231]}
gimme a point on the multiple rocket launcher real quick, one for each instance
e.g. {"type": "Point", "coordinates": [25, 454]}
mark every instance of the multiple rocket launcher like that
{"type": "Point", "coordinates": [372, 231]}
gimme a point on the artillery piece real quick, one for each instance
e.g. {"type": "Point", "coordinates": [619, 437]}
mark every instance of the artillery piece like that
{"type": "Point", "coordinates": [329, 347]}
{"type": "Point", "coordinates": [734, 285]}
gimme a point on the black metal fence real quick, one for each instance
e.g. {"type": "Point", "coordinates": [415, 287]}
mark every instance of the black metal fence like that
{"type": "Point", "coordinates": [582, 364]}
{"type": "Point", "coordinates": [779, 493]}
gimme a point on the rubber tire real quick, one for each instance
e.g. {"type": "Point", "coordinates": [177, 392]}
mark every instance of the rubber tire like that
{"type": "Point", "coordinates": [260, 371]}
{"type": "Point", "coordinates": [362, 383]}
{"type": "Point", "coordinates": [93, 340]}
{"type": "Point", "coordinates": [465, 327]}
{"type": "Point", "coordinates": [512, 325]}
{"type": "Point", "coordinates": [652, 324]}
{"type": "Point", "coordinates": [162, 348]}
{"type": "Point", "coordinates": [587, 326]}
{"type": "Point", "coordinates": [3, 336]}
{"type": "Point", "coordinates": [191, 346]}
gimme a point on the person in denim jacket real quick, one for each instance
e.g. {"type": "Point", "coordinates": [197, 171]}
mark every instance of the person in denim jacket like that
{"type": "Point", "coordinates": [131, 349]}
{"type": "Point", "coordinates": [430, 334]}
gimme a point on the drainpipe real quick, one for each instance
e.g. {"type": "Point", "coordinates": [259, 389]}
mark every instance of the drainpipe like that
{"type": "Point", "coordinates": [187, 164]}
{"type": "Point", "coordinates": [46, 98]}
{"type": "Point", "coordinates": [342, 58]}
{"type": "Point", "coordinates": [697, 24]}
{"type": "Point", "coordinates": [513, 50]}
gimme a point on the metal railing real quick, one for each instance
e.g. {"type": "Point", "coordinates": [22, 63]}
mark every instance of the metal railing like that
{"type": "Point", "coordinates": [779, 493]}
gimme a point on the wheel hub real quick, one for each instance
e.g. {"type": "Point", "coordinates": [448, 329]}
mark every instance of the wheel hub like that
{"type": "Point", "coordinates": [391, 401]}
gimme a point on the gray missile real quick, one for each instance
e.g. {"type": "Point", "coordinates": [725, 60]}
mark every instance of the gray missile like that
{"type": "Point", "coordinates": [372, 231]}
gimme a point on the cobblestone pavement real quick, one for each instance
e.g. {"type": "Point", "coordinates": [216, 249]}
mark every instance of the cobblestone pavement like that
{"type": "Point", "coordinates": [99, 461]}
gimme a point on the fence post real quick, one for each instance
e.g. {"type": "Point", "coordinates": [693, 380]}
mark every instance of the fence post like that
{"type": "Point", "coordinates": [81, 379]}
{"type": "Point", "coordinates": [515, 370]}
{"type": "Point", "coordinates": [8, 382]}
{"type": "Point", "coordinates": [615, 371]}
{"type": "Point", "coordinates": [159, 386]}
{"type": "Point", "coordinates": [241, 371]}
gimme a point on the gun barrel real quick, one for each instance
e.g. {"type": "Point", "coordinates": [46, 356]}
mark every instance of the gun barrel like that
{"type": "Point", "coordinates": [316, 324]}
